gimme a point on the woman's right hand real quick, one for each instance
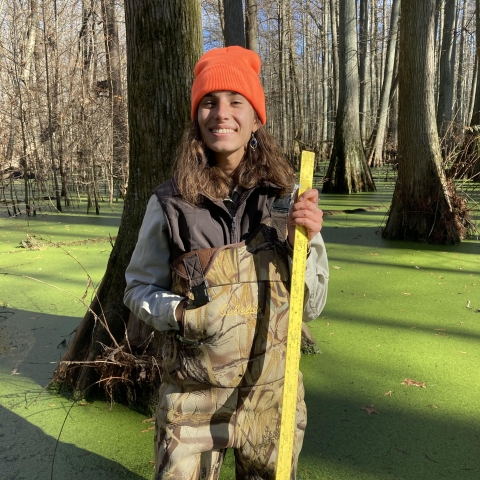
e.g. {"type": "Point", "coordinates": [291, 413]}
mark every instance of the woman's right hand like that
{"type": "Point", "coordinates": [305, 212]}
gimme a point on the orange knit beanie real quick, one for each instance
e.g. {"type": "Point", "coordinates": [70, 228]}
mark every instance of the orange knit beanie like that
{"type": "Point", "coordinates": [233, 69]}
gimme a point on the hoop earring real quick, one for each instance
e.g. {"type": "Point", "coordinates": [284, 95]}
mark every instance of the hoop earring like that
{"type": "Point", "coordinates": [253, 142]}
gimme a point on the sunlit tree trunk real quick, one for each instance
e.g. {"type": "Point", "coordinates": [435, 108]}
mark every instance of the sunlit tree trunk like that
{"type": "Point", "coordinates": [364, 59]}
{"type": "Point", "coordinates": [22, 71]}
{"type": "Point", "coordinates": [447, 70]}
{"type": "Point", "coordinates": [297, 106]}
{"type": "Point", "coordinates": [476, 108]}
{"type": "Point", "coordinates": [309, 95]}
{"type": "Point", "coordinates": [251, 25]}
{"type": "Point", "coordinates": [461, 75]}
{"type": "Point", "coordinates": [348, 171]}
{"type": "Point", "coordinates": [221, 16]}
{"type": "Point", "coordinates": [282, 67]}
{"type": "Point", "coordinates": [116, 96]}
{"type": "Point", "coordinates": [326, 91]}
{"type": "Point", "coordinates": [392, 139]}
{"type": "Point", "coordinates": [375, 57]}
{"type": "Point", "coordinates": [375, 156]}
{"type": "Point", "coordinates": [383, 41]}
{"type": "Point", "coordinates": [473, 90]}
{"type": "Point", "coordinates": [425, 207]}
{"type": "Point", "coordinates": [86, 152]}
{"type": "Point", "coordinates": [57, 120]}
{"type": "Point", "coordinates": [439, 26]}
{"type": "Point", "coordinates": [335, 55]}
{"type": "Point", "coordinates": [50, 110]}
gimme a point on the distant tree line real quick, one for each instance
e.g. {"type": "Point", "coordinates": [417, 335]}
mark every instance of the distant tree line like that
{"type": "Point", "coordinates": [62, 102]}
{"type": "Point", "coordinates": [63, 83]}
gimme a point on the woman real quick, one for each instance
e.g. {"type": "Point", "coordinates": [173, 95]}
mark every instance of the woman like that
{"type": "Point", "coordinates": [210, 272]}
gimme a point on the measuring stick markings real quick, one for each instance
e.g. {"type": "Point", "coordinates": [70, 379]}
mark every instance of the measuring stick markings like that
{"type": "Point", "coordinates": [294, 337]}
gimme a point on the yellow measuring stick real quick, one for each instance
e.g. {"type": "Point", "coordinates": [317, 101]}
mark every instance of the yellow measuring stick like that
{"type": "Point", "coordinates": [294, 338]}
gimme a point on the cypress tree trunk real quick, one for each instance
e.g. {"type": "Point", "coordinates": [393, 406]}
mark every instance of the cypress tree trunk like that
{"type": "Point", "coordinates": [21, 82]}
{"type": "Point", "coordinates": [87, 42]}
{"type": "Point", "coordinates": [439, 25]}
{"type": "Point", "coordinates": [164, 42]}
{"type": "Point", "coordinates": [326, 91]}
{"type": "Point", "coordinates": [363, 67]}
{"type": "Point", "coordinates": [56, 102]}
{"type": "Point", "coordinates": [425, 207]}
{"type": "Point", "coordinates": [282, 80]}
{"type": "Point", "coordinates": [447, 70]}
{"type": "Point", "coordinates": [50, 100]}
{"type": "Point", "coordinates": [335, 54]}
{"type": "Point", "coordinates": [375, 156]}
{"type": "Point", "coordinates": [460, 88]}
{"type": "Point", "coordinates": [375, 57]}
{"type": "Point", "coordinates": [475, 119]}
{"type": "Point", "coordinates": [297, 110]}
{"type": "Point", "coordinates": [348, 171]}
{"type": "Point", "coordinates": [115, 90]}
{"type": "Point", "coordinates": [251, 25]}
{"type": "Point", "coordinates": [473, 91]}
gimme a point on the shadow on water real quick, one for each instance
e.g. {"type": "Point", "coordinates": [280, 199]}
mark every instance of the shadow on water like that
{"type": "Point", "coordinates": [394, 444]}
{"type": "Point", "coordinates": [31, 345]}
{"type": "Point", "coordinates": [372, 237]}
{"type": "Point", "coordinates": [27, 453]}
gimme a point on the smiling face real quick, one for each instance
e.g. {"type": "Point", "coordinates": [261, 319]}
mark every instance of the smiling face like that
{"type": "Point", "coordinates": [226, 121]}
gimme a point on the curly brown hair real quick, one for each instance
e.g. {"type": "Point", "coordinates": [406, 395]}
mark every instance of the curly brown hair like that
{"type": "Point", "coordinates": [197, 172]}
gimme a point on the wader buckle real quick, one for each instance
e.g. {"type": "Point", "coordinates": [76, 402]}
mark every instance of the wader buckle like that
{"type": "Point", "coordinates": [200, 294]}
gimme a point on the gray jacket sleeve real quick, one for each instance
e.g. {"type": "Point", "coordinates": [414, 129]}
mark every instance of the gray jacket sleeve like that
{"type": "Point", "coordinates": [316, 279]}
{"type": "Point", "coordinates": [148, 275]}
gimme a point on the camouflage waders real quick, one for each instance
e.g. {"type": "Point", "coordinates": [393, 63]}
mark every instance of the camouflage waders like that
{"type": "Point", "coordinates": [222, 376]}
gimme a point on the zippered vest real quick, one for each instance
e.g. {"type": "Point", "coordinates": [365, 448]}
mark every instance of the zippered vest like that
{"type": "Point", "coordinates": [211, 225]}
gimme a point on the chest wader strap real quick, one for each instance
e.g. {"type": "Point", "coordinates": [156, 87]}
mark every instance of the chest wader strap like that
{"type": "Point", "coordinates": [279, 213]}
{"type": "Point", "coordinates": [198, 282]}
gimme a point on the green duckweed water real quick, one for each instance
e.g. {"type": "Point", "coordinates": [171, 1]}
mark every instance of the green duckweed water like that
{"type": "Point", "coordinates": [395, 311]}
